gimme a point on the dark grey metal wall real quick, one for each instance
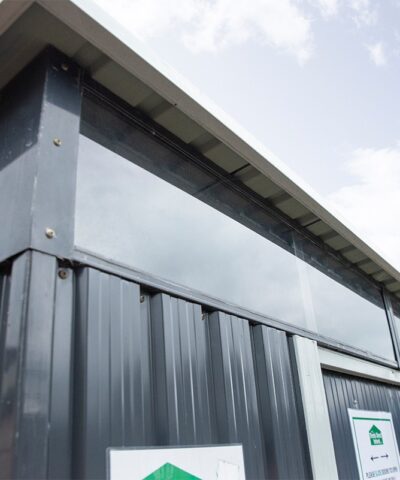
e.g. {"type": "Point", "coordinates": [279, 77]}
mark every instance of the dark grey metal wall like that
{"type": "Point", "coordinates": [156, 370]}
{"type": "Point", "coordinates": [345, 391]}
{"type": "Point", "coordinates": [88, 361]}
{"type": "Point", "coordinates": [35, 380]}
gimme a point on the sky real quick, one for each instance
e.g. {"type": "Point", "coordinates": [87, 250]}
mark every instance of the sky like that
{"type": "Point", "coordinates": [316, 81]}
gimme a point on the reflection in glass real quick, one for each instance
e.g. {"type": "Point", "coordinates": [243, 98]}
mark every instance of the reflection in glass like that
{"type": "Point", "coordinates": [130, 215]}
{"type": "Point", "coordinates": [348, 317]}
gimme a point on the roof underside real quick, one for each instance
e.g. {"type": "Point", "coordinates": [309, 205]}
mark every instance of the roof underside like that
{"type": "Point", "coordinates": [27, 27]}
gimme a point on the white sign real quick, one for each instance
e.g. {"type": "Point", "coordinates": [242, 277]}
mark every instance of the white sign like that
{"type": "Point", "coordinates": [375, 445]}
{"type": "Point", "coordinates": [222, 462]}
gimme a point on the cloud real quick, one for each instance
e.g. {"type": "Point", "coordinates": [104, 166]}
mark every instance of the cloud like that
{"type": "Point", "coordinates": [372, 202]}
{"type": "Point", "coordinates": [377, 54]}
{"type": "Point", "coordinates": [151, 18]}
{"type": "Point", "coordinates": [278, 23]}
{"type": "Point", "coordinates": [327, 8]}
{"type": "Point", "coordinates": [363, 13]}
{"type": "Point", "coordinates": [214, 25]}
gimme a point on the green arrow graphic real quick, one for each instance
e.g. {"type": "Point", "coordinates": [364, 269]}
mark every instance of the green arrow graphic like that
{"type": "Point", "coordinates": [170, 472]}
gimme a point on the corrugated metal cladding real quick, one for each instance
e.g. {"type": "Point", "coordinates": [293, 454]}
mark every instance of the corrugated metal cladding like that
{"type": "Point", "coordinates": [343, 392]}
{"type": "Point", "coordinates": [35, 359]}
{"type": "Point", "coordinates": [156, 370]}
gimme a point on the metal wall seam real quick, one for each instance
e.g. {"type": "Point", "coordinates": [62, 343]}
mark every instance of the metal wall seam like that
{"type": "Point", "coordinates": [280, 413]}
{"type": "Point", "coordinates": [61, 414]}
{"type": "Point", "coordinates": [113, 392]}
{"type": "Point", "coordinates": [316, 414]}
{"type": "Point", "coordinates": [182, 373]}
{"type": "Point", "coordinates": [238, 416]}
{"type": "Point", "coordinates": [345, 391]}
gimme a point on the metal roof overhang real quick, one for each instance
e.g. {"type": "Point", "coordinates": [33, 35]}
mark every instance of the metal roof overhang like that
{"type": "Point", "coordinates": [121, 63]}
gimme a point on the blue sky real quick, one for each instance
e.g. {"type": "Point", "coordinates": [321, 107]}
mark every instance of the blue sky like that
{"type": "Point", "coordinates": [316, 81]}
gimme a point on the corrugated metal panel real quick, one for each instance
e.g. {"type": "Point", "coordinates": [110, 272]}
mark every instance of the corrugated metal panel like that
{"type": "Point", "coordinates": [113, 401]}
{"type": "Point", "coordinates": [235, 390]}
{"type": "Point", "coordinates": [282, 427]}
{"type": "Point", "coordinates": [35, 366]}
{"type": "Point", "coordinates": [343, 392]}
{"type": "Point", "coordinates": [156, 370]}
{"type": "Point", "coordinates": [183, 382]}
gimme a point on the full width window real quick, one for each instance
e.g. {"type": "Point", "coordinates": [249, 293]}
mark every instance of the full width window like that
{"type": "Point", "coordinates": [148, 206]}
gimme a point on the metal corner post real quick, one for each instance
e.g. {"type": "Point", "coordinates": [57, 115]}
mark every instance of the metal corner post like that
{"type": "Point", "coordinates": [39, 134]}
{"type": "Point", "coordinates": [316, 413]}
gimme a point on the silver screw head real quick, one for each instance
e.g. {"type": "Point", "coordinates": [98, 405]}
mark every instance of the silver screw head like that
{"type": "Point", "coordinates": [57, 142]}
{"type": "Point", "coordinates": [63, 274]}
{"type": "Point", "coordinates": [50, 233]}
{"type": "Point", "coordinates": [65, 67]}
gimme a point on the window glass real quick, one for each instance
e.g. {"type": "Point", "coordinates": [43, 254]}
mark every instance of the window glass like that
{"type": "Point", "coordinates": [160, 211]}
{"type": "Point", "coordinates": [347, 317]}
{"type": "Point", "coordinates": [133, 217]}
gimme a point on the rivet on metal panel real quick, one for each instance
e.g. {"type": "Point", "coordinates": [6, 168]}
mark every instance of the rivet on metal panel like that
{"type": "Point", "coordinates": [355, 403]}
{"type": "Point", "coordinates": [50, 233]}
{"type": "Point", "coordinates": [57, 142]}
{"type": "Point", "coordinates": [65, 67]}
{"type": "Point", "coordinates": [63, 274]}
{"type": "Point", "coordinates": [141, 298]}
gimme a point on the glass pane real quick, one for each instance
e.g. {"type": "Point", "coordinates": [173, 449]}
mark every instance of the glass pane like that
{"type": "Point", "coordinates": [159, 209]}
{"type": "Point", "coordinates": [347, 317]}
{"type": "Point", "coordinates": [130, 215]}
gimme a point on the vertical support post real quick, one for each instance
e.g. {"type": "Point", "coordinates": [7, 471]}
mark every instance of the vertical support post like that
{"type": "Point", "coordinates": [316, 413]}
{"type": "Point", "coordinates": [39, 134]}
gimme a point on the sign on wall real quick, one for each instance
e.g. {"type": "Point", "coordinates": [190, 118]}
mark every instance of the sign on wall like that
{"type": "Point", "coordinates": [375, 445]}
{"type": "Point", "coordinates": [222, 462]}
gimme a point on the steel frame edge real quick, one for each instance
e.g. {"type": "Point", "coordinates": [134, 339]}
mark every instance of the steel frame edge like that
{"type": "Point", "coordinates": [315, 409]}
{"type": "Point", "coordinates": [340, 362]}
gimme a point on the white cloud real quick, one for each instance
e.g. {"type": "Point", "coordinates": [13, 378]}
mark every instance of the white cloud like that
{"type": "Point", "coordinates": [212, 25]}
{"type": "Point", "coordinates": [278, 23]}
{"type": "Point", "coordinates": [372, 202]}
{"type": "Point", "coordinates": [363, 12]}
{"type": "Point", "coordinates": [151, 18]}
{"type": "Point", "coordinates": [377, 54]}
{"type": "Point", "coordinates": [326, 7]}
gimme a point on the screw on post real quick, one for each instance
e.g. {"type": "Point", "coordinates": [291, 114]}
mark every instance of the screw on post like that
{"type": "Point", "coordinates": [50, 233]}
{"type": "Point", "coordinates": [63, 274]}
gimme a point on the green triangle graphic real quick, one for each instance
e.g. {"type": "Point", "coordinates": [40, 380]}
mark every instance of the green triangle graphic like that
{"type": "Point", "coordinates": [170, 472]}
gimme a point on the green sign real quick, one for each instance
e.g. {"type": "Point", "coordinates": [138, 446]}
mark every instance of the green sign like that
{"type": "Point", "coordinates": [375, 436]}
{"type": "Point", "coordinates": [170, 472]}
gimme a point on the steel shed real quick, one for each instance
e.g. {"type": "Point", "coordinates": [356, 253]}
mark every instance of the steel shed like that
{"type": "Point", "coordinates": [164, 279]}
